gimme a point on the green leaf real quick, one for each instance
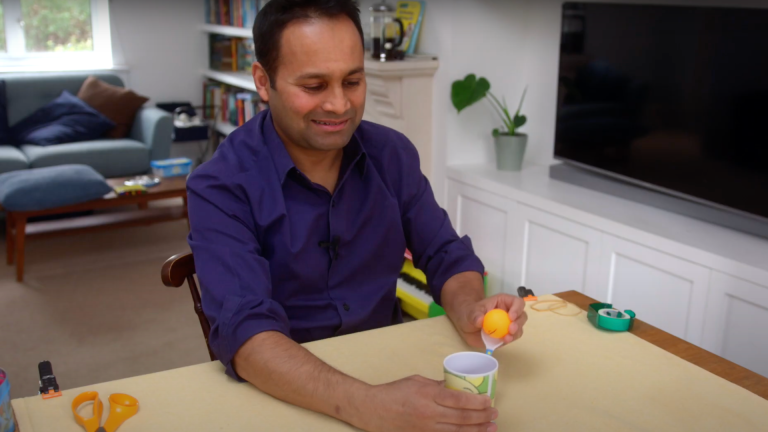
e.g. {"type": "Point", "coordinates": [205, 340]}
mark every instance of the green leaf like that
{"type": "Point", "coordinates": [520, 120]}
{"type": "Point", "coordinates": [496, 132]}
{"type": "Point", "coordinates": [468, 91]}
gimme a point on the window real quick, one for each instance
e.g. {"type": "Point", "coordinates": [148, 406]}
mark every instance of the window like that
{"type": "Point", "coordinates": [54, 35]}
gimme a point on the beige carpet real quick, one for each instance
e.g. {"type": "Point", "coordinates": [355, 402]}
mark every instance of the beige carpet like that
{"type": "Point", "coordinates": [95, 307]}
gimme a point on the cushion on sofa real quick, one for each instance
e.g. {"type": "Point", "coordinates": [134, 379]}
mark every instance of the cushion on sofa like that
{"type": "Point", "coordinates": [65, 119]}
{"type": "Point", "coordinates": [12, 159]}
{"type": "Point", "coordinates": [51, 187]}
{"type": "Point", "coordinates": [116, 103]}
{"type": "Point", "coordinates": [111, 158]}
{"type": "Point", "coordinates": [26, 93]}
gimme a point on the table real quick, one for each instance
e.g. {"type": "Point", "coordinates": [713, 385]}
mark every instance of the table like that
{"type": "Point", "coordinates": [563, 375]}
{"type": "Point", "coordinates": [687, 351]}
{"type": "Point", "coordinates": [18, 228]}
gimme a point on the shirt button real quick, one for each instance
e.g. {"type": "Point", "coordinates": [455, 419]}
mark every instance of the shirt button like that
{"type": "Point", "coordinates": [333, 203]}
{"type": "Point", "coordinates": [346, 307]}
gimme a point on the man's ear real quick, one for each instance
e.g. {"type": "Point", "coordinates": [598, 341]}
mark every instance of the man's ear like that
{"type": "Point", "coordinates": [261, 80]}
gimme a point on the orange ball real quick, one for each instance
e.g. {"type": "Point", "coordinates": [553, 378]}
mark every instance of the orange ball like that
{"type": "Point", "coordinates": [496, 323]}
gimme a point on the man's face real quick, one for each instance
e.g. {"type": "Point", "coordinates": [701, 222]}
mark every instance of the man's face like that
{"type": "Point", "coordinates": [318, 97]}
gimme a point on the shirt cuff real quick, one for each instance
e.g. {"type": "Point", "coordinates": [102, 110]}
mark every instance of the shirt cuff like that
{"type": "Point", "coordinates": [457, 258]}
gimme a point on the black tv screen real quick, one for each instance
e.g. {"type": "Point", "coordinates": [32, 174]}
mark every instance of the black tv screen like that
{"type": "Point", "coordinates": [671, 97]}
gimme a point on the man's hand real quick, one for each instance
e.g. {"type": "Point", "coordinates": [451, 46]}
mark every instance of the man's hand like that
{"type": "Point", "coordinates": [464, 304]}
{"type": "Point", "coordinates": [469, 322]}
{"type": "Point", "coordinates": [419, 404]}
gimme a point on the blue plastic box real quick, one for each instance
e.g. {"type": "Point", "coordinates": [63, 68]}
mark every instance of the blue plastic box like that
{"type": "Point", "coordinates": [171, 167]}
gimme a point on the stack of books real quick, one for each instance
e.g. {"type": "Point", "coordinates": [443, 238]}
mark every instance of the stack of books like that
{"type": "Point", "coordinates": [231, 54]}
{"type": "Point", "coordinates": [236, 13]}
{"type": "Point", "coordinates": [230, 104]}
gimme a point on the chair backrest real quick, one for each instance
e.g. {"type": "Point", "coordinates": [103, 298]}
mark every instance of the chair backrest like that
{"type": "Point", "coordinates": [176, 270]}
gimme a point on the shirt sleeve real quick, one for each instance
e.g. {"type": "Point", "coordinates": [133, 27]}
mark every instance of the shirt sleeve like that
{"type": "Point", "coordinates": [234, 276]}
{"type": "Point", "coordinates": [437, 249]}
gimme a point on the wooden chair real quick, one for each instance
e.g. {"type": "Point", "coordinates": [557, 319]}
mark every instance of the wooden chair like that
{"type": "Point", "coordinates": [176, 270]}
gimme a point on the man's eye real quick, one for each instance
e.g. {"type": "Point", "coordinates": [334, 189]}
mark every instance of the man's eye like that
{"type": "Point", "coordinates": [314, 87]}
{"type": "Point", "coordinates": [352, 83]}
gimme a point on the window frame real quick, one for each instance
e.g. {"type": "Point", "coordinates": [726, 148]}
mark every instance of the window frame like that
{"type": "Point", "coordinates": [17, 59]}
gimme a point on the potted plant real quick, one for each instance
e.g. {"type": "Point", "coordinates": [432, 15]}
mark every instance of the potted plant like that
{"type": "Point", "coordinates": [510, 144]}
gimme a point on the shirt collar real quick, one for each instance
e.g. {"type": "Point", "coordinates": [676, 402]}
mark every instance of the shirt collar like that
{"type": "Point", "coordinates": [283, 162]}
{"type": "Point", "coordinates": [354, 152]}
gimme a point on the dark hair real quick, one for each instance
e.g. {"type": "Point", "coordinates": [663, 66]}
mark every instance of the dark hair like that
{"type": "Point", "coordinates": [272, 20]}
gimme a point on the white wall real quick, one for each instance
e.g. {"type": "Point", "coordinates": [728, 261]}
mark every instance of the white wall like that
{"type": "Point", "coordinates": [161, 44]}
{"type": "Point", "coordinates": [513, 43]}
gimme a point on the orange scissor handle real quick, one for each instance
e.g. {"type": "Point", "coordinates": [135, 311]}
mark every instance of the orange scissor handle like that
{"type": "Point", "coordinates": [121, 408]}
{"type": "Point", "coordinates": [90, 424]}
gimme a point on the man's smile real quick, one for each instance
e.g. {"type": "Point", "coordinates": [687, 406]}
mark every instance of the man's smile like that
{"type": "Point", "coordinates": [331, 125]}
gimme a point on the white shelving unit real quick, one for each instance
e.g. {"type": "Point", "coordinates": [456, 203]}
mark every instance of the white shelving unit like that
{"type": "Point", "coordinates": [238, 79]}
{"type": "Point", "coordinates": [227, 30]}
{"type": "Point", "coordinates": [225, 128]}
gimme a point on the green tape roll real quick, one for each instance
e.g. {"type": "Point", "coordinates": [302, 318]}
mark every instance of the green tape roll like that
{"type": "Point", "coordinates": [604, 316]}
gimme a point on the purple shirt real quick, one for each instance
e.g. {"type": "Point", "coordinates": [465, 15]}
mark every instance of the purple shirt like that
{"type": "Point", "coordinates": [274, 251]}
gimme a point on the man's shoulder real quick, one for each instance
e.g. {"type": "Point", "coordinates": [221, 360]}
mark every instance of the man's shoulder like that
{"type": "Point", "coordinates": [241, 151]}
{"type": "Point", "coordinates": [382, 142]}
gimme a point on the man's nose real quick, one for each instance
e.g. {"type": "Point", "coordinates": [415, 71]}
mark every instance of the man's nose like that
{"type": "Point", "coordinates": [336, 100]}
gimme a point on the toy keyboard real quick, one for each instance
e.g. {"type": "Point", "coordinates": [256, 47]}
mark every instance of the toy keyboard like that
{"type": "Point", "coordinates": [414, 294]}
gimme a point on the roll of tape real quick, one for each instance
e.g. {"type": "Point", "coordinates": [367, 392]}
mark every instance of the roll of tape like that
{"type": "Point", "coordinates": [605, 316]}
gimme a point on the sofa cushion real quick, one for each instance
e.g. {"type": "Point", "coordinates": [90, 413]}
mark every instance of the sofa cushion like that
{"type": "Point", "coordinates": [12, 159]}
{"type": "Point", "coordinates": [116, 103]}
{"type": "Point", "coordinates": [51, 187]}
{"type": "Point", "coordinates": [5, 130]}
{"type": "Point", "coordinates": [27, 93]}
{"type": "Point", "coordinates": [65, 119]}
{"type": "Point", "coordinates": [111, 158]}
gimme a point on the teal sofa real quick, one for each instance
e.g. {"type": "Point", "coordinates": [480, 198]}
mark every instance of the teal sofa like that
{"type": "Point", "coordinates": [150, 138]}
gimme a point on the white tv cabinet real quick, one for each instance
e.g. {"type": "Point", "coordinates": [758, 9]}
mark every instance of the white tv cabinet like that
{"type": "Point", "coordinates": [701, 282]}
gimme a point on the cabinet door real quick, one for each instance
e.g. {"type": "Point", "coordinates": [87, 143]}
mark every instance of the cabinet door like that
{"type": "Point", "coordinates": [484, 217]}
{"type": "Point", "coordinates": [663, 290]}
{"type": "Point", "coordinates": [550, 254]}
{"type": "Point", "coordinates": [737, 321]}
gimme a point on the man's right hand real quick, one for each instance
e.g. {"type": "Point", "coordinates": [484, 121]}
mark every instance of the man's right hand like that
{"type": "Point", "coordinates": [423, 405]}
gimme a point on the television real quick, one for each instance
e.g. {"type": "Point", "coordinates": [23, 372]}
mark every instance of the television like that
{"type": "Point", "coordinates": [671, 98]}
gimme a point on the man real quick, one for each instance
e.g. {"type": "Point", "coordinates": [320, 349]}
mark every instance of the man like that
{"type": "Point", "coordinates": [299, 224]}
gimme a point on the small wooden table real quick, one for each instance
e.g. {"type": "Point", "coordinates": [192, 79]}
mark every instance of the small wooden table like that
{"type": "Point", "coordinates": [18, 228]}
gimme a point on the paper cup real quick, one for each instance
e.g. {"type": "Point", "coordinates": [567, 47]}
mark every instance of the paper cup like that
{"type": "Point", "coordinates": [472, 372]}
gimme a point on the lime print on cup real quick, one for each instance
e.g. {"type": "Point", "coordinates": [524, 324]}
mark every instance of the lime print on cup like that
{"type": "Point", "coordinates": [472, 372]}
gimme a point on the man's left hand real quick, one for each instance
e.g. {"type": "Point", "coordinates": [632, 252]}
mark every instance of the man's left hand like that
{"type": "Point", "coordinates": [469, 321]}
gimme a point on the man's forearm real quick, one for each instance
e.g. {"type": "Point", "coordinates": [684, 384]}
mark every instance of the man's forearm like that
{"type": "Point", "coordinates": [461, 290]}
{"type": "Point", "coordinates": [285, 370]}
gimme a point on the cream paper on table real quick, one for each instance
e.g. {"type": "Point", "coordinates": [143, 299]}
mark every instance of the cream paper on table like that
{"type": "Point", "coordinates": [562, 375]}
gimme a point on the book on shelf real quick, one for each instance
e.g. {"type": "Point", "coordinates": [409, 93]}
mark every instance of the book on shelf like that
{"type": "Point", "coordinates": [225, 103]}
{"type": "Point", "coordinates": [411, 13]}
{"type": "Point", "coordinates": [235, 13]}
{"type": "Point", "coordinates": [231, 54]}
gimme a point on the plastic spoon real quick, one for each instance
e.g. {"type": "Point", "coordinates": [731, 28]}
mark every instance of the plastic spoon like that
{"type": "Point", "coordinates": [491, 343]}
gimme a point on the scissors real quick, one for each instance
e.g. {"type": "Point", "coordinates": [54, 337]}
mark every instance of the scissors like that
{"type": "Point", "coordinates": [121, 408]}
